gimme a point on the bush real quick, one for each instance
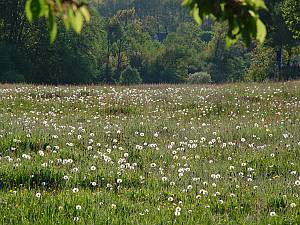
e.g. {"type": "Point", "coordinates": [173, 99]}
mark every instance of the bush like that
{"type": "Point", "coordinates": [11, 76]}
{"type": "Point", "coordinates": [130, 76]}
{"type": "Point", "coordinates": [262, 65]}
{"type": "Point", "coordinates": [199, 78]}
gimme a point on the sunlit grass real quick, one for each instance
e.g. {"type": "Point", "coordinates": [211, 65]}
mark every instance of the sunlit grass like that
{"type": "Point", "coordinates": [160, 154]}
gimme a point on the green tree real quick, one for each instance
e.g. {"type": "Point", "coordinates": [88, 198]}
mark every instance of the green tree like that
{"type": "Point", "coordinates": [291, 15]}
{"type": "Point", "coordinates": [262, 65]}
{"type": "Point", "coordinates": [242, 15]}
{"type": "Point", "coordinates": [130, 76]}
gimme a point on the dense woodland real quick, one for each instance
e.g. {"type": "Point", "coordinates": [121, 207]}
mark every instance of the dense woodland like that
{"type": "Point", "coordinates": [142, 41]}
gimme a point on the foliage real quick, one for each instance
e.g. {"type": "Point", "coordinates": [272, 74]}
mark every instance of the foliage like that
{"type": "Point", "coordinates": [124, 33]}
{"type": "Point", "coordinates": [242, 16]}
{"type": "Point", "coordinates": [11, 76]}
{"type": "Point", "coordinates": [199, 78]}
{"type": "Point", "coordinates": [130, 76]}
{"type": "Point", "coordinates": [291, 14]}
{"type": "Point", "coordinates": [72, 12]}
{"type": "Point", "coordinates": [262, 65]}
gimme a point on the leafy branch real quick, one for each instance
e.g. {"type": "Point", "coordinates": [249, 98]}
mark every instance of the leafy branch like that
{"type": "Point", "coordinates": [242, 17]}
{"type": "Point", "coordinates": [72, 12]}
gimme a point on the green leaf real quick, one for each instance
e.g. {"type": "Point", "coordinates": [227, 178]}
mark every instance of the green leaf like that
{"type": "Point", "coordinates": [28, 11]}
{"type": "Point", "coordinates": [186, 2]}
{"type": "Point", "coordinates": [77, 22]}
{"type": "Point", "coordinates": [44, 7]}
{"type": "Point", "coordinates": [195, 14]}
{"type": "Point", "coordinates": [260, 4]}
{"type": "Point", "coordinates": [66, 22]}
{"type": "Point", "coordinates": [52, 25]}
{"type": "Point", "coordinates": [261, 31]}
{"type": "Point", "coordinates": [86, 14]}
{"type": "Point", "coordinates": [35, 8]}
{"type": "Point", "coordinates": [230, 41]}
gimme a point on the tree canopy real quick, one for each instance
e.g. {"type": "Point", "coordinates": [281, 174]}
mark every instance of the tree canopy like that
{"type": "Point", "coordinates": [134, 41]}
{"type": "Point", "coordinates": [242, 15]}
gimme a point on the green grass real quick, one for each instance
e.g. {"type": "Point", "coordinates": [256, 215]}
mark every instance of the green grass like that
{"type": "Point", "coordinates": [225, 154]}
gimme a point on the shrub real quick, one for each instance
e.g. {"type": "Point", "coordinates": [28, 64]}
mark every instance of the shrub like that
{"type": "Point", "coordinates": [11, 76]}
{"type": "Point", "coordinates": [262, 65]}
{"type": "Point", "coordinates": [130, 76]}
{"type": "Point", "coordinates": [199, 78]}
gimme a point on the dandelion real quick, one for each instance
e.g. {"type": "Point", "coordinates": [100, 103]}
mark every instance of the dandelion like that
{"type": "Point", "coordinates": [164, 179]}
{"type": "Point", "coordinates": [93, 168]}
{"type": "Point", "coordinates": [76, 218]}
{"type": "Point", "coordinates": [177, 213]}
{"type": "Point", "coordinates": [75, 190]}
{"type": "Point", "coordinates": [75, 170]}
{"type": "Point", "coordinates": [153, 165]}
{"type": "Point", "coordinates": [119, 181]}
{"type": "Point", "coordinates": [170, 199]}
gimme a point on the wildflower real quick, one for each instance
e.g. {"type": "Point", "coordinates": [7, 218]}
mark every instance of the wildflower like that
{"type": "Point", "coordinates": [153, 165]}
{"type": "Point", "coordinates": [38, 195]}
{"type": "Point", "coordinates": [164, 178]}
{"type": "Point", "coordinates": [78, 207]}
{"type": "Point", "coordinates": [119, 181]}
{"type": "Point", "coordinates": [93, 168]}
{"type": "Point", "coordinates": [272, 214]}
{"type": "Point", "coordinates": [75, 169]}
{"type": "Point", "coordinates": [170, 199]}
{"type": "Point", "coordinates": [75, 190]}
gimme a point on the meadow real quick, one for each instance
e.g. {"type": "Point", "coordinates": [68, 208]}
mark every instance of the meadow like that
{"type": "Point", "coordinates": [161, 154]}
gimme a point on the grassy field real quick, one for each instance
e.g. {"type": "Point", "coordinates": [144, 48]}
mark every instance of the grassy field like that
{"type": "Point", "coordinates": [150, 155]}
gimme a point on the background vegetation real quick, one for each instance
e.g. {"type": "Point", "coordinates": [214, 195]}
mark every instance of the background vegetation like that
{"type": "Point", "coordinates": [158, 40]}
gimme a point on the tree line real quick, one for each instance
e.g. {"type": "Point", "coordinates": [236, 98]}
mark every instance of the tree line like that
{"type": "Point", "coordinates": [142, 41]}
